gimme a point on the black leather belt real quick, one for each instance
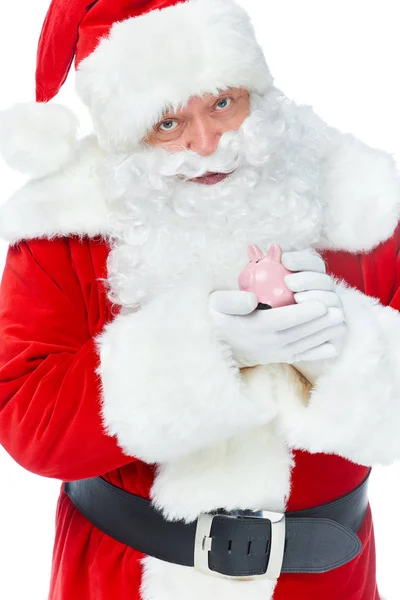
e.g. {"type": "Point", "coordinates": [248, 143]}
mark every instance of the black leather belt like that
{"type": "Point", "coordinates": [238, 544]}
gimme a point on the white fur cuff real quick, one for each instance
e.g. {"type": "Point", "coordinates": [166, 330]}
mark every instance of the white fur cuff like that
{"type": "Point", "coordinates": [354, 408]}
{"type": "Point", "coordinates": [170, 387]}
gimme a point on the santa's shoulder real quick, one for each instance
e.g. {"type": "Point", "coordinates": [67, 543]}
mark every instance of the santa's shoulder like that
{"type": "Point", "coordinates": [63, 196]}
{"type": "Point", "coordinates": [359, 186]}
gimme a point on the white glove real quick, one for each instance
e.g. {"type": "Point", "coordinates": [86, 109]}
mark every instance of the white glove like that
{"type": "Point", "coordinates": [280, 335]}
{"type": "Point", "coordinates": [312, 284]}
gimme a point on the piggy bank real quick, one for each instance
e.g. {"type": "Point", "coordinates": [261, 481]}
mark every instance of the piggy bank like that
{"type": "Point", "coordinates": [264, 276]}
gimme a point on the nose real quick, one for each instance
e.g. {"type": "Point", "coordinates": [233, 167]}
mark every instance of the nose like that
{"type": "Point", "coordinates": [204, 135]}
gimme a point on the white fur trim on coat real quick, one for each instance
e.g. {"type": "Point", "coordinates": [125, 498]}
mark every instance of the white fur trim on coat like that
{"type": "Point", "coordinates": [164, 581]}
{"type": "Point", "coordinates": [361, 188]}
{"type": "Point", "coordinates": [248, 471]}
{"type": "Point", "coordinates": [354, 408]}
{"type": "Point", "coordinates": [69, 202]}
{"type": "Point", "coordinates": [38, 139]}
{"type": "Point", "coordinates": [161, 59]}
{"type": "Point", "coordinates": [170, 386]}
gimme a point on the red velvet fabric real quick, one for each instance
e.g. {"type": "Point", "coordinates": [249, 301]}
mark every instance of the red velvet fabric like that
{"type": "Point", "coordinates": [52, 303]}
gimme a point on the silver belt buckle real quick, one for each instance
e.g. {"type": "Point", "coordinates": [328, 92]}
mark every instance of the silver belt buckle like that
{"type": "Point", "coordinates": [203, 542]}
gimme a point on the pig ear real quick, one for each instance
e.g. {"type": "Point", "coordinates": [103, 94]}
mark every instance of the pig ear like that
{"type": "Point", "coordinates": [254, 252]}
{"type": "Point", "coordinates": [275, 253]}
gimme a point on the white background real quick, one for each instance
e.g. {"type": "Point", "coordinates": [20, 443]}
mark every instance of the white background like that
{"type": "Point", "coordinates": [342, 57]}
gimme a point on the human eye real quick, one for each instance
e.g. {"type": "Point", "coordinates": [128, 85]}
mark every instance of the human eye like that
{"type": "Point", "coordinates": [168, 125]}
{"type": "Point", "coordinates": [224, 103]}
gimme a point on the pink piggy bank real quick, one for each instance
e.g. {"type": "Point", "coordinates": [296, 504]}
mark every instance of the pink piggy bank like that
{"type": "Point", "coordinates": [264, 276]}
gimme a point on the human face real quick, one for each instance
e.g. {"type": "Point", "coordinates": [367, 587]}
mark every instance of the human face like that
{"type": "Point", "coordinates": [200, 124]}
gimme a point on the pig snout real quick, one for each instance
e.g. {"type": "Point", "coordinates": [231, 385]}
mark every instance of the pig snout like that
{"type": "Point", "coordinates": [247, 279]}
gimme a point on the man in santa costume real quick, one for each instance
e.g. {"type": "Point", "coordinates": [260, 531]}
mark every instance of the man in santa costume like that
{"type": "Point", "coordinates": [207, 449]}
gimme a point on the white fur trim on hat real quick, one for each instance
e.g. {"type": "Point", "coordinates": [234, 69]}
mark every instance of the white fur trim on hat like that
{"type": "Point", "coordinates": [38, 139]}
{"type": "Point", "coordinates": [163, 58]}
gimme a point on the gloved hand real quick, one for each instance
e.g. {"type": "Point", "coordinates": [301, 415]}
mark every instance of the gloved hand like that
{"type": "Point", "coordinates": [280, 335]}
{"type": "Point", "coordinates": [311, 284]}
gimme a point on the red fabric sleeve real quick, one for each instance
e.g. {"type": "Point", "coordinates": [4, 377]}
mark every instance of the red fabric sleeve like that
{"type": "Point", "coordinates": [50, 419]}
{"type": "Point", "coordinates": [375, 273]}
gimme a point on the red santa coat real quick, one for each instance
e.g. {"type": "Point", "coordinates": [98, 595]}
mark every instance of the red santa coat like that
{"type": "Point", "coordinates": [79, 396]}
{"type": "Point", "coordinates": [52, 305]}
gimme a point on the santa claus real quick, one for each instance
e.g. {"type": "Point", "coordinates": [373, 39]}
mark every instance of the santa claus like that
{"type": "Point", "coordinates": [207, 449]}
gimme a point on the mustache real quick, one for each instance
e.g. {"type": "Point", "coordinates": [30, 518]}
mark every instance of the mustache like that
{"type": "Point", "coordinates": [225, 159]}
{"type": "Point", "coordinates": [235, 149]}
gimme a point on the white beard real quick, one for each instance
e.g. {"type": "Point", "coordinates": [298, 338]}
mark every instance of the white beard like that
{"type": "Point", "coordinates": [163, 227]}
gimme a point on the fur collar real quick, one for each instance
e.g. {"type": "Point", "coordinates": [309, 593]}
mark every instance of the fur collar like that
{"type": "Point", "coordinates": [361, 190]}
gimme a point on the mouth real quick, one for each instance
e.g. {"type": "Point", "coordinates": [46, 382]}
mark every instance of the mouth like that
{"type": "Point", "coordinates": [210, 178]}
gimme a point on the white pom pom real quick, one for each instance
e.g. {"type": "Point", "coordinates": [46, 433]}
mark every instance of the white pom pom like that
{"type": "Point", "coordinates": [37, 139]}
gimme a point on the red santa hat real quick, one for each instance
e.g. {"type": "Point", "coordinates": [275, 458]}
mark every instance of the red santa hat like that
{"type": "Point", "coordinates": [136, 58]}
